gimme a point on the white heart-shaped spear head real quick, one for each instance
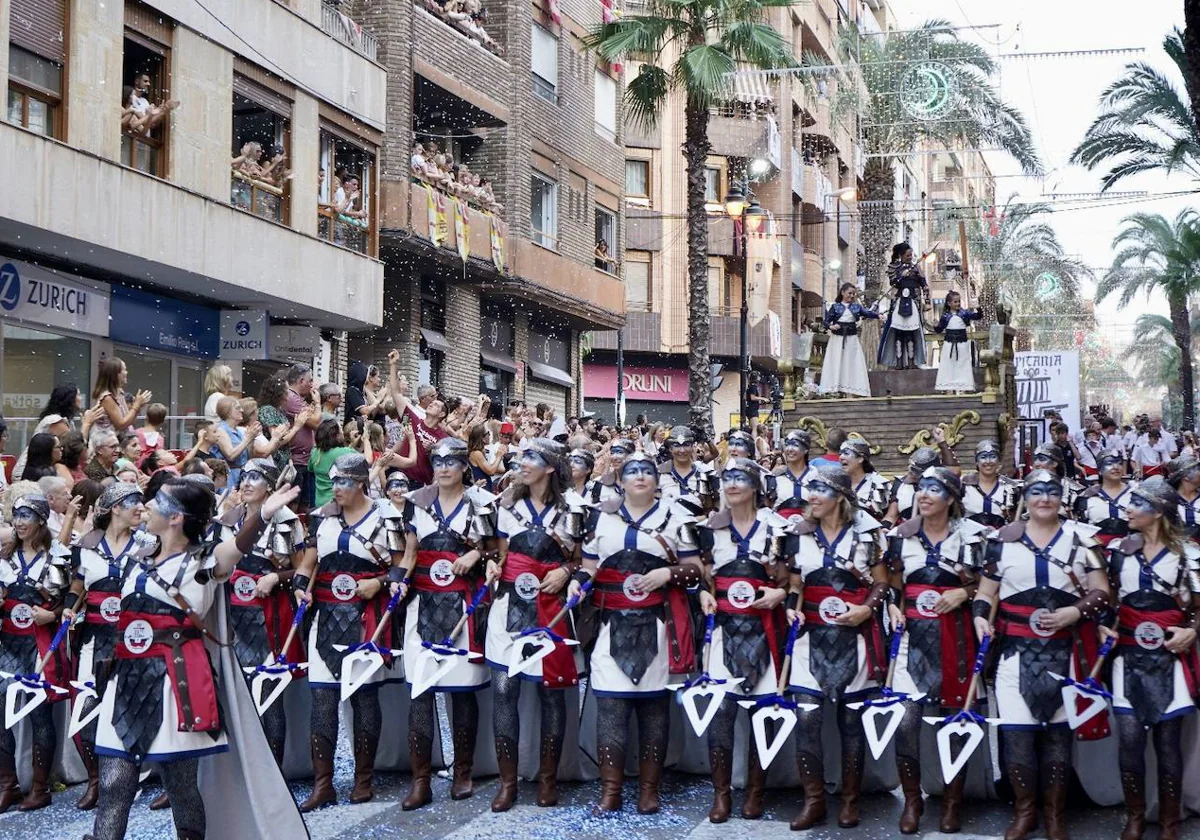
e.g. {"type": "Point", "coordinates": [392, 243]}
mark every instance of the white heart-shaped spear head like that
{"type": "Point", "coordinates": [953, 764]}
{"type": "Point", "coordinates": [878, 737]}
{"type": "Point", "coordinates": [690, 699]}
{"type": "Point", "coordinates": [528, 651]}
{"type": "Point", "coordinates": [1081, 706]}
{"type": "Point", "coordinates": [768, 745]}
{"type": "Point", "coordinates": [79, 717]}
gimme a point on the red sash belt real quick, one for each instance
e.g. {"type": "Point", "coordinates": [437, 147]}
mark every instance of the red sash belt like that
{"type": "Point", "coordinates": [558, 669]}
{"type": "Point", "coordinates": [422, 582]}
{"type": "Point", "coordinates": [1157, 469]}
{"type": "Point", "coordinates": [179, 644]}
{"type": "Point", "coordinates": [93, 614]}
{"type": "Point", "coordinates": [770, 618]}
{"type": "Point", "coordinates": [1090, 472]}
{"type": "Point", "coordinates": [278, 611]}
{"type": "Point", "coordinates": [1014, 621]}
{"type": "Point", "coordinates": [323, 588]}
{"type": "Point", "coordinates": [1131, 618]}
{"type": "Point", "coordinates": [610, 589]}
{"type": "Point", "coordinates": [1105, 539]}
{"type": "Point", "coordinates": [957, 628]}
{"type": "Point", "coordinates": [789, 512]}
{"type": "Point", "coordinates": [57, 670]}
{"type": "Point", "coordinates": [870, 630]}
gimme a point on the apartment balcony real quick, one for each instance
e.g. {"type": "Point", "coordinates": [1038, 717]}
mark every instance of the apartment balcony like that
{"type": "Point", "coordinates": [816, 188]}
{"type": "Point", "coordinates": [643, 229]}
{"type": "Point", "coordinates": [733, 135]}
{"type": "Point", "coordinates": [642, 334]}
{"type": "Point", "coordinates": [459, 64]}
{"type": "Point", "coordinates": [342, 27]}
{"type": "Point", "coordinates": [812, 274]}
{"type": "Point", "coordinates": [818, 119]}
{"type": "Point", "coordinates": [589, 297]}
{"type": "Point", "coordinates": [820, 28]}
{"type": "Point", "coordinates": [478, 244]}
{"type": "Point", "coordinates": [724, 337]}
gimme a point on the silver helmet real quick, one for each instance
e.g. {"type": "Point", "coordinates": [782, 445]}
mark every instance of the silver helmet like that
{"type": "Point", "coordinates": [351, 465]}
{"type": "Point", "coordinates": [833, 476]}
{"type": "Point", "coordinates": [1160, 494]}
{"type": "Point", "coordinates": [116, 494]}
{"type": "Point", "coordinates": [948, 478]}
{"type": "Point", "coordinates": [923, 459]}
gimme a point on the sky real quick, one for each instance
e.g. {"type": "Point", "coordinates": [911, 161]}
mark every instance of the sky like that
{"type": "Point", "coordinates": [1058, 97]}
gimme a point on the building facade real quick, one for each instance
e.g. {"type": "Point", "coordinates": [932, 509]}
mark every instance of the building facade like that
{"type": "Point", "coordinates": [190, 182]}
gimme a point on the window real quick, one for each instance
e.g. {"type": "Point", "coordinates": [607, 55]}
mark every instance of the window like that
{"type": "Point", "coordinates": [346, 196]}
{"type": "Point", "coordinates": [606, 106]}
{"type": "Point", "coordinates": [33, 362]}
{"type": "Point", "coordinates": [720, 294]}
{"type": "Point", "coordinates": [543, 211]}
{"type": "Point", "coordinates": [637, 178]}
{"type": "Point", "coordinates": [712, 185]}
{"type": "Point", "coordinates": [259, 172]}
{"type": "Point", "coordinates": [145, 104]}
{"type": "Point", "coordinates": [544, 64]}
{"type": "Point", "coordinates": [606, 240]}
{"type": "Point", "coordinates": [34, 92]}
{"type": "Point", "coordinates": [637, 281]}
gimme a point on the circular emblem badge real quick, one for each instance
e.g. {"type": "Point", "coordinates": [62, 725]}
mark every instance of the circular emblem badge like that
{"type": "Point", "coordinates": [139, 635]}
{"type": "Point", "coordinates": [1149, 635]}
{"type": "Point", "coordinates": [442, 572]}
{"type": "Point", "coordinates": [22, 616]}
{"type": "Point", "coordinates": [742, 594]}
{"type": "Point", "coordinates": [526, 586]}
{"type": "Point", "coordinates": [1035, 622]}
{"type": "Point", "coordinates": [110, 609]}
{"type": "Point", "coordinates": [243, 589]}
{"type": "Point", "coordinates": [831, 608]}
{"type": "Point", "coordinates": [343, 587]}
{"type": "Point", "coordinates": [631, 590]}
{"type": "Point", "coordinates": [926, 602]}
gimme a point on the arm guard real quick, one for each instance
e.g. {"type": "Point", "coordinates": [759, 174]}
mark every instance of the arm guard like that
{"type": "Point", "coordinates": [300, 582]}
{"type": "Point", "coordinates": [686, 575]}
{"type": "Point", "coordinates": [793, 601]}
{"type": "Point", "coordinates": [980, 608]}
{"type": "Point", "coordinates": [878, 595]}
{"type": "Point", "coordinates": [248, 536]}
{"type": "Point", "coordinates": [1092, 604]}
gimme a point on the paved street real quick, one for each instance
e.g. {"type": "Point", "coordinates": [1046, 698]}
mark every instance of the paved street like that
{"type": "Point", "coordinates": [687, 799]}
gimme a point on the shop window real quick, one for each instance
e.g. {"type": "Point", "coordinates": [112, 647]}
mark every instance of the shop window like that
{"type": "Point", "coordinates": [260, 171]}
{"type": "Point", "coordinates": [146, 104]}
{"type": "Point", "coordinates": [34, 92]}
{"type": "Point", "coordinates": [33, 362]}
{"type": "Point", "coordinates": [606, 106]}
{"type": "Point", "coordinates": [433, 304]}
{"type": "Point", "coordinates": [606, 241]}
{"type": "Point", "coordinates": [637, 281]}
{"type": "Point", "coordinates": [637, 179]}
{"type": "Point", "coordinates": [543, 211]}
{"type": "Point", "coordinates": [544, 64]}
{"type": "Point", "coordinates": [345, 203]}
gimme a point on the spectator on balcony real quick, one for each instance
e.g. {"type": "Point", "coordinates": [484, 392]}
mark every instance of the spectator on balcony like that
{"type": "Point", "coordinates": [417, 161]}
{"type": "Point", "coordinates": [218, 383]}
{"type": "Point", "coordinates": [144, 116]}
{"type": "Point", "coordinates": [275, 172]}
{"type": "Point", "coordinates": [110, 395]}
{"type": "Point", "coordinates": [248, 162]}
{"type": "Point", "coordinates": [604, 260]}
{"type": "Point", "coordinates": [104, 450]}
{"type": "Point", "coordinates": [346, 199]}
{"type": "Point", "coordinates": [489, 197]}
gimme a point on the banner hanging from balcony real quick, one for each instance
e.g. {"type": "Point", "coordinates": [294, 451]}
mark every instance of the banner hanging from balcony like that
{"type": "Point", "coordinates": [438, 230]}
{"type": "Point", "coordinates": [497, 245]}
{"type": "Point", "coordinates": [462, 229]}
{"type": "Point", "coordinates": [760, 251]}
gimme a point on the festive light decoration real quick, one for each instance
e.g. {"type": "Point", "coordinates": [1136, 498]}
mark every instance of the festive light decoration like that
{"type": "Point", "coordinates": [929, 90]}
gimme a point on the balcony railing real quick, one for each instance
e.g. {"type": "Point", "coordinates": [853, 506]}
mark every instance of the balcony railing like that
{"type": "Point", "coordinates": [345, 231]}
{"type": "Point", "coordinates": [339, 26]}
{"type": "Point", "coordinates": [261, 199]}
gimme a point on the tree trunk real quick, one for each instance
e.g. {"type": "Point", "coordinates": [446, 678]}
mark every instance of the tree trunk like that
{"type": "Point", "coordinates": [1181, 330]}
{"type": "Point", "coordinates": [878, 221]}
{"type": "Point", "coordinates": [695, 153]}
{"type": "Point", "coordinates": [1191, 51]}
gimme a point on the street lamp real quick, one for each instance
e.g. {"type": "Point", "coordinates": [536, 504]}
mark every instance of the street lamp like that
{"type": "Point", "coordinates": [745, 211]}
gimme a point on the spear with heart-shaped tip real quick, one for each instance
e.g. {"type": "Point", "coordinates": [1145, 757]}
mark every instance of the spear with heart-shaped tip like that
{"type": "Point", "coordinates": [696, 689]}
{"type": "Point", "coordinates": [776, 707]}
{"type": "Point", "coordinates": [437, 659]}
{"type": "Point", "coordinates": [888, 706]}
{"type": "Point", "coordinates": [362, 660]}
{"type": "Point", "coordinates": [1086, 698]}
{"type": "Point", "coordinates": [536, 643]}
{"type": "Point", "coordinates": [273, 676]}
{"type": "Point", "coordinates": [34, 687]}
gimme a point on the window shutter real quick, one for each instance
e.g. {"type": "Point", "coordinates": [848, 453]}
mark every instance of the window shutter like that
{"type": "Point", "coordinates": [40, 27]}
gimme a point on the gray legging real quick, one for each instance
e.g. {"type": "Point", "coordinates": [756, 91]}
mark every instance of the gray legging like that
{"type": "Point", "coordinates": [118, 787]}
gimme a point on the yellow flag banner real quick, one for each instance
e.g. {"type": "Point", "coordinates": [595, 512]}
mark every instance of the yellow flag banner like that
{"type": "Point", "coordinates": [462, 229]}
{"type": "Point", "coordinates": [497, 245]}
{"type": "Point", "coordinates": [438, 230]}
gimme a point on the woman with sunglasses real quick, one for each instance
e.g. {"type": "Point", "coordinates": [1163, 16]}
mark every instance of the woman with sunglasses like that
{"type": "Point", "coordinates": [1105, 504]}
{"type": "Point", "coordinates": [103, 559]}
{"type": "Point", "coordinates": [355, 553]}
{"type": "Point", "coordinates": [741, 547]}
{"type": "Point", "coordinates": [163, 702]}
{"type": "Point", "coordinates": [260, 600]}
{"type": "Point", "coordinates": [870, 488]}
{"type": "Point", "coordinates": [791, 479]}
{"type": "Point", "coordinates": [34, 575]}
{"type": "Point", "coordinates": [934, 560]}
{"type": "Point", "coordinates": [538, 533]}
{"type": "Point", "coordinates": [1048, 576]}
{"type": "Point", "coordinates": [641, 556]}
{"type": "Point", "coordinates": [1184, 476]}
{"type": "Point", "coordinates": [449, 526]}
{"type": "Point", "coordinates": [1153, 571]}
{"type": "Point", "coordinates": [838, 588]}
{"type": "Point", "coordinates": [989, 498]}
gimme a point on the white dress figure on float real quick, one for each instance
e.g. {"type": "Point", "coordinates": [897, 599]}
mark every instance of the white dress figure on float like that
{"type": "Point", "coordinates": [845, 367]}
{"type": "Point", "coordinates": [956, 372]}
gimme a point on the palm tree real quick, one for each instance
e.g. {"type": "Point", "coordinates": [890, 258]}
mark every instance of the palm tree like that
{"type": "Point", "coordinates": [692, 47]}
{"type": "Point", "coordinates": [923, 84]}
{"type": "Point", "coordinates": [1154, 354]}
{"type": "Point", "coordinates": [1145, 124]}
{"type": "Point", "coordinates": [1157, 254]}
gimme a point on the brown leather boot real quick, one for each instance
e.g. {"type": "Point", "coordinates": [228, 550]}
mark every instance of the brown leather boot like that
{"type": "Point", "coordinates": [420, 756]}
{"type": "Point", "coordinates": [506, 760]}
{"type": "Point", "coordinates": [612, 777]}
{"type": "Point", "coordinates": [39, 791]}
{"type": "Point", "coordinates": [1054, 800]}
{"type": "Point", "coordinates": [952, 805]}
{"type": "Point", "coordinates": [91, 794]}
{"type": "Point", "coordinates": [649, 774]}
{"type": "Point", "coordinates": [464, 763]}
{"type": "Point", "coordinates": [1023, 781]}
{"type": "Point", "coordinates": [756, 784]}
{"type": "Point", "coordinates": [322, 758]}
{"type": "Point", "coordinates": [721, 762]}
{"type": "Point", "coordinates": [364, 768]}
{"type": "Point", "coordinates": [910, 783]}
{"type": "Point", "coordinates": [851, 781]}
{"type": "Point", "coordinates": [547, 777]}
{"type": "Point", "coordinates": [812, 779]}
{"type": "Point", "coordinates": [1134, 788]}
{"type": "Point", "coordinates": [1169, 807]}
{"type": "Point", "coordinates": [160, 802]}
{"type": "Point", "coordinates": [10, 788]}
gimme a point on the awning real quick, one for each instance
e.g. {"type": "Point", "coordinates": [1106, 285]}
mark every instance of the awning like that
{"type": "Point", "coordinates": [498, 361]}
{"type": "Point", "coordinates": [752, 86]}
{"type": "Point", "coordinates": [435, 341]}
{"type": "Point", "coordinates": [553, 375]}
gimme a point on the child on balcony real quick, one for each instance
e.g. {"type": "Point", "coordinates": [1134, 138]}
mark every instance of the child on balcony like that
{"type": "Point", "coordinates": [845, 368]}
{"type": "Point", "coordinates": [956, 372]}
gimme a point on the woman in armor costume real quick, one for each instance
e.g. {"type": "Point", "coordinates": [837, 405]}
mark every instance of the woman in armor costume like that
{"type": "Point", "coordinates": [870, 488]}
{"type": "Point", "coordinates": [792, 478]}
{"type": "Point", "coordinates": [641, 557]}
{"type": "Point", "coordinates": [989, 498]}
{"type": "Point", "coordinates": [1048, 577]}
{"type": "Point", "coordinates": [582, 463]}
{"type": "Point", "coordinates": [740, 547]}
{"type": "Point", "coordinates": [681, 477]}
{"type": "Point", "coordinates": [1105, 503]}
{"type": "Point", "coordinates": [934, 560]}
{"type": "Point", "coordinates": [1155, 573]}
{"type": "Point", "coordinates": [260, 599]}
{"type": "Point", "coordinates": [1049, 456]}
{"type": "Point", "coordinates": [839, 587]}
{"type": "Point", "coordinates": [449, 524]}
{"type": "Point", "coordinates": [903, 494]}
{"type": "Point", "coordinates": [34, 576]}
{"type": "Point", "coordinates": [354, 551]}
{"type": "Point", "coordinates": [608, 484]}
{"type": "Point", "coordinates": [172, 700]}
{"type": "Point", "coordinates": [538, 534]}
{"type": "Point", "coordinates": [1184, 476]}
{"type": "Point", "coordinates": [902, 345]}
{"type": "Point", "coordinates": [102, 561]}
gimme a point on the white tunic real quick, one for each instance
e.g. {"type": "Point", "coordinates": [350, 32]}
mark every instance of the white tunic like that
{"type": "Point", "coordinates": [955, 371]}
{"type": "Point", "coordinates": [789, 486]}
{"type": "Point", "coordinates": [845, 367]}
{"type": "Point", "coordinates": [95, 565]}
{"type": "Point", "coordinates": [672, 485]}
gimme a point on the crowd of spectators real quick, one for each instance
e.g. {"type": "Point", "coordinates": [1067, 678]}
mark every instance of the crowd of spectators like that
{"type": "Point", "coordinates": [468, 16]}
{"type": "Point", "coordinates": [438, 169]}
